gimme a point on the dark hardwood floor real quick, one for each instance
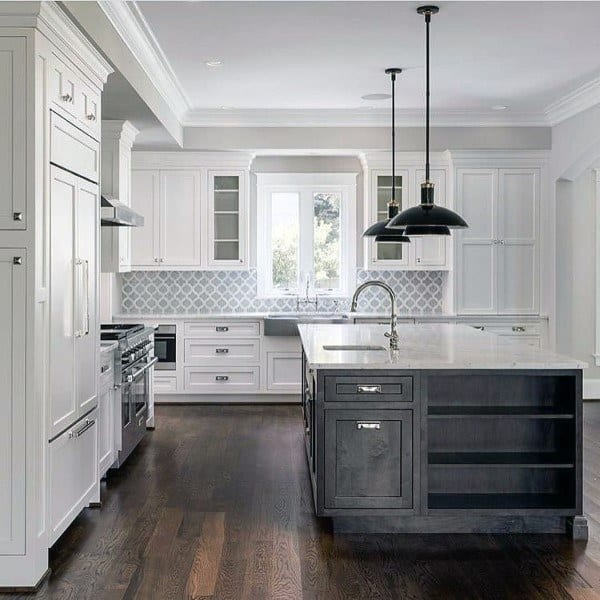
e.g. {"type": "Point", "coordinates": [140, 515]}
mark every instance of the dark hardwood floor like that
{"type": "Point", "coordinates": [216, 504]}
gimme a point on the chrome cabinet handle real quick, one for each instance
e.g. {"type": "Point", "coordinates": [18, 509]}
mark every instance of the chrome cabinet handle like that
{"type": "Point", "coordinates": [518, 329]}
{"type": "Point", "coordinates": [88, 423]}
{"type": "Point", "coordinates": [104, 368]}
{"type": "Point", "coordinates": [17, 260]}
{"type": "Point", "coordinates": [479, 327]}
{"type": "Point", "coordinates": [17, 216]}
{"type": "Point", "coordinates": [141, 421]}
{"type": "Point", "coordinates": [222, 350]}
{"type": "Point", "coordinates": [222, 378]}
{"type": "Point", "coordinates": [363, 425]}
{"type": "Point", "coordinates": [156, 260]}
{"type": "Point", "coordinates": [368, 389]}
{"type": "Point", "coordinates": [222, 328]}
{"type": "Point", "coordinates": [137, 373]}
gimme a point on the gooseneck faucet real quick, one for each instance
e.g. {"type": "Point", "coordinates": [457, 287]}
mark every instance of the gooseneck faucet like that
{"type": "Point", "coordinates": [393, 333]}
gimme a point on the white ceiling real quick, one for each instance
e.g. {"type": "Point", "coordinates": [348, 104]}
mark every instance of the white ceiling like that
{"type": "Point", "coordinates": [326, 55]}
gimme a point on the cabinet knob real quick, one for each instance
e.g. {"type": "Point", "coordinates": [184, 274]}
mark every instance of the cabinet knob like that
{"type": "Point", "coordinates": [518, 329]}
{"type": "Point", "coordinates": [17, 260]}
{"type": "Point", "coordinates": [156, 260]}
{"type": "Point", "coordinates": [91, 117]}
{"type": "Point", "coordinates": [66, 98]}
{"type": "Point", "coordinates": [162, 260]}
{"type": "Point", "coordinates": [17, 216]}
{"type": "Point", "coordinates": [222, 378]}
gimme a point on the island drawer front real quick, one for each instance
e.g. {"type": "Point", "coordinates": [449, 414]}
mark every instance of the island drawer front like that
{"type": "Point", "coordinates": [374, 388]}
{"type": "Point", "coordinates": [221, 352]}
{"type": "Point", "coordinates": [368, 459]}
{"type": "Point", "coordinates": [200, 380]}
{"type": "Point", "coordinates": [221, 329]}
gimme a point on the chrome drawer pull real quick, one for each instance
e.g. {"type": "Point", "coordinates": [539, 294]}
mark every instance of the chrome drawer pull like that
{"type": "Point", "coordinates": [17, 260]}
{"type": "Point", "coordinates": [479, 327]}
{"type": "Point", "coordinates": [17, 216]}
{"type": "Point", "coordinates": [222, 329]}
{"type": "Point", "coordinates": [104, 368]}
{"type": "Point", "coordinates": [222, 350]}
{"type": "Point", "coordinates": [368, 389]}
{"type": "Point", "coordinates": [88, 423]}
{"type": "Point", "coordinates": [222, 378]}
{"type": "Point", "coordinates": [518, 329]}
{"type": "Point", "coordinates": [362, 425]}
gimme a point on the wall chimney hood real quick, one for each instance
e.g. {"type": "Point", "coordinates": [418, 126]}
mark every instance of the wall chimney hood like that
{"type": "Point", "coordinates": [115, 214]}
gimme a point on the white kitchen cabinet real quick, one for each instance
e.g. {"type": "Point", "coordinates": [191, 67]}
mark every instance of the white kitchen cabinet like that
{"type": "Point", "coordinates": [422, 253]}
{"type": "Point", "coordinates": [179, 218]}
{"type": "Point", "coordinates": [73, 473]}
{"type": "Point", "coordinates": [13, 147]}
{"type": "Point", "coordinates": [145, 241]}
{"type": "Point", "coordinates": [284, 371]}
{"type": "Point", "coordinates": [13, 269]}
{"type": "Point", "coordinates": [497, 257]}
{"type": "Point", "coordinates": [117, 140]}
{"type": "Point", "coordinates": [227, 218]}
{"type": "Point", "coordinates": [169, 200]}
{"type": "Point", "coordinates": [107, 453]}
{"type": "Point", "coordinates": [73, 311]}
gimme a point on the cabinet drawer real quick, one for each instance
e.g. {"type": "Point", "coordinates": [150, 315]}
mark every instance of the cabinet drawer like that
{"type": "Point", "coordinates": [219, 329]}
{"type": "Point", "coordinates": [368, 459]}
{"type": "Point", "coordinates": [88, 108]}
{"type": "Point", "coordinates": [73, 150]}
{"type": "Point", "coordinates": [221, 352]}
{"type": "Point", "coordinates": [107, 371]}
{"type": "Point", "coordinates": [514, 329]}
{"type": "Point", "coordinates": [200, 380]}
{"type": "Point", "coordinates": [165, 384]}
{"type": "Point", "coordinates": [73, 470]}
{"type": "Point", "coordinates": [63, 87]}
{"type": "Point", "coordinates": [367, 388]}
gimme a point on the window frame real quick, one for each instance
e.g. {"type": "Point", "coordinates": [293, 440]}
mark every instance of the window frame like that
{"type": "Point", "coordinates": [306, 185]}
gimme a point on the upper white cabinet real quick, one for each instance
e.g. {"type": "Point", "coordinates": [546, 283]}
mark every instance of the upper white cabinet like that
{"type": "Point", "coordinates": [196, 214]}
{"type": "Point", "coordinates": [13, 139]}
{"type": "Point", "coordinates": [117, 139]}
{"type": "Point", "coordinates": [226, 218]}
{"type": "Point", "coordinates": [497, 257]}
{"type": "Point", "coordinates": [426, 253]}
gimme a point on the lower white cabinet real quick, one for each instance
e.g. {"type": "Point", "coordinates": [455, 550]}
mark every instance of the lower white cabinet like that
{"type": "Point", "coordinates": [202, 380]}
{"type": "Point", "coordinates": [284, 371]}
{"type": "Point", "coordinates": [106, 431]}
{"type": "Point", "coordinates": [164, 383]}
{"type": "Point", "coordinates": [221, 352]}
{"type": "Point", "coordinates": [73, 473]}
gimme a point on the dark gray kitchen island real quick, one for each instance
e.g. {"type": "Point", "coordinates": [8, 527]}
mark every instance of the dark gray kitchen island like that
{"type": "Point", "coordinates": [454, 432]}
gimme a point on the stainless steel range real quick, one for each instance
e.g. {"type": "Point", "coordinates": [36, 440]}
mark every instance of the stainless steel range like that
{"type": "Point", "coordinates": [134, 366]}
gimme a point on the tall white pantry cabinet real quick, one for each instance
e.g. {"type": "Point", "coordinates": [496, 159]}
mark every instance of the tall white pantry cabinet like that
{"type": "Point", "coordinates": [51, 80]}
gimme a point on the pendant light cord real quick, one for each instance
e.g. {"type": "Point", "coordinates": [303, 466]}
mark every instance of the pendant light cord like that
{"type": "Point", "coordinates": [427, 22]}
{"type": "Point", "coordinates": [393, 76]}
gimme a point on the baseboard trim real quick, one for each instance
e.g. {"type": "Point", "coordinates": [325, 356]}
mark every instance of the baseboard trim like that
{"type": "Point", "coordinates": [227, 399]}
{"type": "Point", "coordinates": [591, 389]}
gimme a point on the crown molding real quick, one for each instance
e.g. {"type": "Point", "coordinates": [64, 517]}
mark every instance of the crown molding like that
{"type": "Point", "coordinates": [576, 101]}
{"type": "Point", "coordinates": [177, 159]}
{"type": "Point", "coordinates": [130, 24]}
{"type": "Point", "coordinates": [355, 117]}
{"type": "Point", "coordinates": [118, 130]}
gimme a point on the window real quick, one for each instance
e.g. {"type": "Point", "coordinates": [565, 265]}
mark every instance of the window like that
{"type": "Point", "coordinates": [306, 233]}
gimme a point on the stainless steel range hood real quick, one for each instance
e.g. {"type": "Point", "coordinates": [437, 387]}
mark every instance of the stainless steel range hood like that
{"type": "Point", "coordinates": [115, 214]}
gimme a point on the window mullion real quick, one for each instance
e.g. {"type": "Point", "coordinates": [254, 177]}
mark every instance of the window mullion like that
{"type": "Point", "coordinates": [306, 232]}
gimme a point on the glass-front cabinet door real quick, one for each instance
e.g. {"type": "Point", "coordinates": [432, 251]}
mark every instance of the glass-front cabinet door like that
{"type": "Point", "coordinates": [385, 255]}
{"type": "Point", "coordinates": [227, 219]}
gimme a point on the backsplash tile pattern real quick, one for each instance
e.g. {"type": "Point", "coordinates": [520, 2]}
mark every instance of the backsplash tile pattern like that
{"type": "Point", "coordinates": [235, 291]}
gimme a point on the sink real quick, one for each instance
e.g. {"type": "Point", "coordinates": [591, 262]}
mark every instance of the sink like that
{"type": "Point", "coordinates": [355, 348]}
{"type": "Point", "coordinates": [286, 324]}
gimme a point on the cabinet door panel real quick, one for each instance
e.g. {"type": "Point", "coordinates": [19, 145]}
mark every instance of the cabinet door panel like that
{"type": "Point", "coordinates": [180, 218]}
{"type": "Point", "coordinates": [106, 436]}
{"type": "Point", "coordinates": [13, 108]}
{"type": "Point", "coordinates": [284, 371]}
{"type": "Point", "coordinates": [476, 202]}
{"type": "Point", "coordinates": [63, 403]}
{"type": "Point", "coordinates": [12, 407]}
{"type": "Point", "coordinates": [430, 251]}
{"type": "Point", "coordinates": [86, 342]}
{"type": "Point", "coordinates": [518, 279]}
{"type": "Point", "coordinates": [368, 459]}
{"type": "Point", "coordinates": [145, 200]}
{"type": "Point", "coordinates": [477, 278]}
{"type": "Point", "coordinates": [518, 200]}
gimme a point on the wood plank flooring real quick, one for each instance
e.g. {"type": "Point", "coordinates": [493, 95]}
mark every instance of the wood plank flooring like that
{"type": "Point", "coordinates": [216, 504]}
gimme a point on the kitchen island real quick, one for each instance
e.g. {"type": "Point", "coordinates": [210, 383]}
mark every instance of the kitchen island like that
{"type": "Point", "coordinates": [453, 432]}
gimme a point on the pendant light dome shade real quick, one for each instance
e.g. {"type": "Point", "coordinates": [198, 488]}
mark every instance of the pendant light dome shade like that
{"type": "Point", "coordinates": [379, 230]}
{"type": "Point", "coordinates": [427, 218]}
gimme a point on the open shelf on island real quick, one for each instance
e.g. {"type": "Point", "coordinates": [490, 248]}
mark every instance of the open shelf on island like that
{"type": "Point", "coordinates": [528, 412]}
{"type": "Point", "coordinates": [499, 501]}
{"type": "Point", "coordinates": [500, 459]}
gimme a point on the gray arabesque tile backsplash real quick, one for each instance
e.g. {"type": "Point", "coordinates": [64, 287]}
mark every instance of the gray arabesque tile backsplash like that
{"type": "Point", "coordinates": [235, 291]}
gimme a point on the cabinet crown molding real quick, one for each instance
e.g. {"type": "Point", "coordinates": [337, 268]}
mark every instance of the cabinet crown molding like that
{"type": "Point", "coordinates": [499, 158]}
{"type": "Point", "coordinates": [116, 130]}
{"type": "Point", "coordinates": [191, 160]}
{"type": "Point", "coordinates": [382, 159]}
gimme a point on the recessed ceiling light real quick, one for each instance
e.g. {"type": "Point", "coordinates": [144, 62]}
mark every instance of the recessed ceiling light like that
{"type": "Point", "coordinates": [225, 107]}
{"type": "Point", "coordinates": [499, 107]}
{"type": "Point", "coordinates": [213, 63]}
{"type": "Point", "coordinates": [376, 96]}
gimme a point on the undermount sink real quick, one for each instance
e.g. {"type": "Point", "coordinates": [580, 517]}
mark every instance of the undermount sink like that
{"type": "Point", "coordinates": [354, 348]}
{"type": "Point", "coordinates": [286, 324]}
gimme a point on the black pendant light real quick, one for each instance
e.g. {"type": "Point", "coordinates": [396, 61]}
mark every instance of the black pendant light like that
{"type": "Point", "coordinates": [379, 230]}
{"type": "Point", "coordinates": [427, 218]}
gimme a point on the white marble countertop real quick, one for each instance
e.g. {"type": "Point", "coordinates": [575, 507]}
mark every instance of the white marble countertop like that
{"type": "Point", "coordinates": [424, 346]}
{"type": "Point", "coordinates": [162, 317]}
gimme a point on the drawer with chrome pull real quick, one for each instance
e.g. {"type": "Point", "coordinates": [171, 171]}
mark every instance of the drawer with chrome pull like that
{"type": "Point", "coordinates": [199, 380]}
{"type": "Point", "coordinates": [221, 329]}
{"type": "Point", "coordinates": [367, 388]}
{"type": "Point", "coordinates": [221, 352]}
